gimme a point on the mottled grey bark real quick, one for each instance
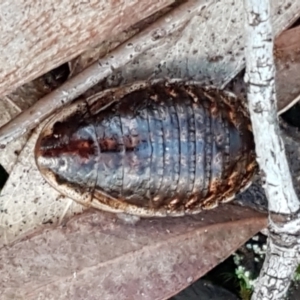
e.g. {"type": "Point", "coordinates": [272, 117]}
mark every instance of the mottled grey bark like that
{"type": "Point", "coordinates": [281, 260]}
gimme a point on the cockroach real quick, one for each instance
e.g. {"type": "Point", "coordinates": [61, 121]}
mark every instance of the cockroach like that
{"type": "Point", "coordinates": [157, 148]}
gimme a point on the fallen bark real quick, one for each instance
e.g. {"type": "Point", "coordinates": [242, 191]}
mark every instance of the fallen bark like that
{"type": "Point", "coordinates": [281, 258]}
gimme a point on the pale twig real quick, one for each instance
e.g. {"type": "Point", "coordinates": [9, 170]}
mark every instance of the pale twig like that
{"type": "Point", "coordinates": [281, 259]}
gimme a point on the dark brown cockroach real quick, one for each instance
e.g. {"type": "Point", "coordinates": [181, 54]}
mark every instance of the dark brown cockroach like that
{"type": "Point", "coordinates": [156, 149]}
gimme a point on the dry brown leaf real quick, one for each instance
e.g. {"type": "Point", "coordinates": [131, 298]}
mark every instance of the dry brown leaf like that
{"type": "Point", "coordinates": [39, 36]}
{"type": "Point", "coordinates": [97, 256]}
